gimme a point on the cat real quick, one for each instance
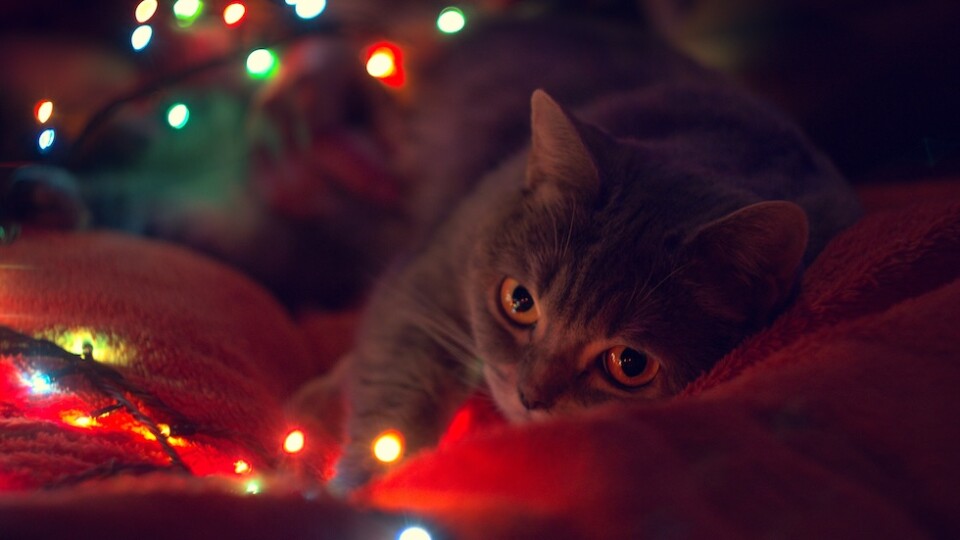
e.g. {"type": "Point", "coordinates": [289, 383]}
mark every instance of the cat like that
{"type": "Point", "coordinates": [656, 217]}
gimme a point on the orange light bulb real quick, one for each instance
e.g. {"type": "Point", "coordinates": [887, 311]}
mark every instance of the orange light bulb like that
{"type": "Point", "coordinates": [294, 442]}
{"type": "Point", "coordinates": [388, 446]}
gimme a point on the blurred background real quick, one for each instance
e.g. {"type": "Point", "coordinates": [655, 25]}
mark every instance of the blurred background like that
{"type": "Point", "coordinates": [157, 111]}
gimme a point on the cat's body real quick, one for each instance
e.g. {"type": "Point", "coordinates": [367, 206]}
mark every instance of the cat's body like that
{"type": "Point", "coordinates": [613, 259]}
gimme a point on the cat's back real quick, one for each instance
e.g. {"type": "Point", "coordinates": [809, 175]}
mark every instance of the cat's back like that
{"type": "Point", "coordinates": [709, 132]}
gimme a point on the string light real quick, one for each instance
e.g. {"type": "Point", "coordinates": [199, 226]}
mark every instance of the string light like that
{"type": "Point", "coordinates": [46, 139]}
{"type": "Point", "coordinates": [43, 111]}
{"type": "Point", "coordinates": [253, 487]}
{"type": "Point", "coordinates": [293, 442]}
{"type": "Point", "coordinates": [145, 10]}
{"type": "Point", "coordinates": [38, 383]}
{"type": "Point", "coordinates": [414, 533]}
{"type": "Point", "coordinates": [187, 11]}
{"type": "Point", "coordinates": [451, 20]}
{"type": "Point", "coordinates": [234, 13]}
{"type": "Point", "coordinates": [178, 115]}
{"type": "Point", "coordinates": [141, 37]}
{"type": "Point", "coordinates": [241, 467]}
{"type": "Point", "coordinates": [388, 446]}
{"type": "Point", "coordinates": [384, 63]}
{"type": "Point", "coordinates": [262, 63]}
{"type": "Point", "coordinates": [308, 9]}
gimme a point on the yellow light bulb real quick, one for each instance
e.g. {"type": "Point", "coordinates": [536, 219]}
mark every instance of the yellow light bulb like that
{"type": "Point", "coordinates": [381, 63]}
{"type": "Point", "coordinates": [293, 442]}
{"type": "Point", "coordinates": [388, 446]}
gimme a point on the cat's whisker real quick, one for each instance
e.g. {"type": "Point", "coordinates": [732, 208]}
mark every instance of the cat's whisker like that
{"type": "Point", "coordinates": [666, 278]}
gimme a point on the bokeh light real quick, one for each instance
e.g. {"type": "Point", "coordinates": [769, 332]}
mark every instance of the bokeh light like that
{"type": "Point", "coordinates": [385, 63]}
{"type": "Point", "coordinates": [178, 115]}
{"type": "Point", "coordinates": [309, 9]}
{"type": "Point", "coordinates": [294, 442]}
{"type": "Point", "coordinates": [46, 139]}
{"type": "Point", "coordinates": [451, 20]}
{"type": "Point", "coordinates": [233, 13]}
{"type": "Point", "coordinates": [145, 10]}
{"type": "Point", "coordinates": [252, 487]}
{"type": "Point", "coordinates": [262, 63]}
{"type": "Point", "coordinates": [43, 111]}
{"type": "Point", "coordinates": [187, 11]}
{"type": "Point", "coordinates": [388, 446]}
{"type": "Point", "coordinates": [414, 533]}
{"type": "Point", "coordinates": [382, 63]}
{"type": "Point", "coordinates": [141, 37]}
{"type": "Point", "coordinates": [241, 467]}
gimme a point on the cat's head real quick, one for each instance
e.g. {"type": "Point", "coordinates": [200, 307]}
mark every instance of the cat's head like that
{"type": "Point", "coordinates": [620, 274]}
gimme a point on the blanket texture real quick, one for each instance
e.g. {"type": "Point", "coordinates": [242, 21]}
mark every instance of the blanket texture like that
{"type": "Point", "coordinates": [839, 420]}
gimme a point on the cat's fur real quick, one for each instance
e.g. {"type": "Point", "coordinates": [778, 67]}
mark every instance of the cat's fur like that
{"type": "Point", "coordinates": [670, 214]}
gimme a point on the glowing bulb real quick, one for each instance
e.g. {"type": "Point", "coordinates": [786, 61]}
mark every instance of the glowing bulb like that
{"type": "Point", "coordinates": [83, 421]}
{"type": "Point", "coordinates": [308, 9]}
{"type": "Point", "coordinates": [145, 10]}
{"type": "Point", "coordinates": [382, 63]}
{"type": "Point", "coordinates": [187, 9]}
{"type": "Point", "coordinates": [141, 37]}
{"type": "Point", "coordinates": [293, 442]}
{"type": "Point", "coordinates": [253, 487]}
{"type": "Point", "coordinates": [46, 138]}
{"type": "Point", "coordinates": [38, 383]}
{"type": "Point", "coordinates": [388, 446]}
{"type": "Point", "coordinates": [43, 111]}
{"type": "Point", "coordinates": [178, 115]}
{"type": "Point", "coordinates": [291, 2]}
{"type": "Point", "coordinates": [261, 63]}
{"type": "Point", "coordinates": [234, 13]}
{"type": "Point", "coordinates": [241, 467]}
{"type": "Point", "coordinates": [414, 533]}
{"type": "Point", "coordinates": [451, 20]}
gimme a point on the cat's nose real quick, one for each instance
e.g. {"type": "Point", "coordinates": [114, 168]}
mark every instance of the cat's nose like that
{"type": "Point", "coordinates": [531, 404]}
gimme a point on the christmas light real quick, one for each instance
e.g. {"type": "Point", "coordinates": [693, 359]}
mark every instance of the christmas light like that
{"type": "Point", "coordinates": [309, 9]}
{"type": "Point", "coordinates": [233, 13]}
{"type": "Point", "coordinates": [451, 20]}
{"type": "Point", "coordinates": [141, 37]}
{"type": "Point", "coordinates": [414, 533]}
{"type": "Point", "coordinates": [178, 115]}
{"type": "Point", "coordinates": [241, 467]}
{"type": "Point", "coordinates": [381, 63]}
{"type": "Point", "coordinates": [187, 11]}
{"type": "Point", "coordinates": [38, 383]}
{"type": "Point", "coordinates": [253, 487]}
{"type": "Point", "coordinates": [388, 446]}
{"type": "Point", "coordinates": [43, 111]}
{"type": "Point", "coordinates": [145, 10]}
{"type": "Point", "coordinates": [261, 63]}
{"type": "Point", "coordinates": [384, 62]}
{"type": "Point", "coordinates": [105, 348]}
{"type": "Point", "coordinates": [78, 419]}
{"type": "Point", "coordinates": [293, 442]}
{"type": "Point", "coordinates": [46, 139]}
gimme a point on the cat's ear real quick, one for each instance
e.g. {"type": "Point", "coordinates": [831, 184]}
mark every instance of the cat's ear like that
{"type": "Point", "coordinates": [558, 152]}
{"type": "Point", "coordinates": [745, 264]}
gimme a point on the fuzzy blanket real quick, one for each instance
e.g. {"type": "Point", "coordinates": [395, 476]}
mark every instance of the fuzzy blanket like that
{"type": "Point", "coordinates": [838, 420]}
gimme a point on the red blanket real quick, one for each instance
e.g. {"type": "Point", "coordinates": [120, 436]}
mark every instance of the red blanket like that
{"type": "Point", "coordinates": [838, 420]}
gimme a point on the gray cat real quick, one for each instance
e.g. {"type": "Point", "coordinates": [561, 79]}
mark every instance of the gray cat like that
{"type": "Point", "coordinates": [619, 255]}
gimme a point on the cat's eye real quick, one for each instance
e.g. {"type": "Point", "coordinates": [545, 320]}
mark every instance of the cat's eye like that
{"type": "Point", "coordinates": [629, 367]}
{"type": "Point", "coordinates": [518, 303]}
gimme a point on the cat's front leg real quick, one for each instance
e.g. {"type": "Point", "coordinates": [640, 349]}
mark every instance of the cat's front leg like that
{"type": "Point", "coordinates": [406, 384]}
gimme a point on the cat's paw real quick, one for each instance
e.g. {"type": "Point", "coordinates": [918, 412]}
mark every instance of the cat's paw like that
{"type": "Point", "coordinates": [355, 468]}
